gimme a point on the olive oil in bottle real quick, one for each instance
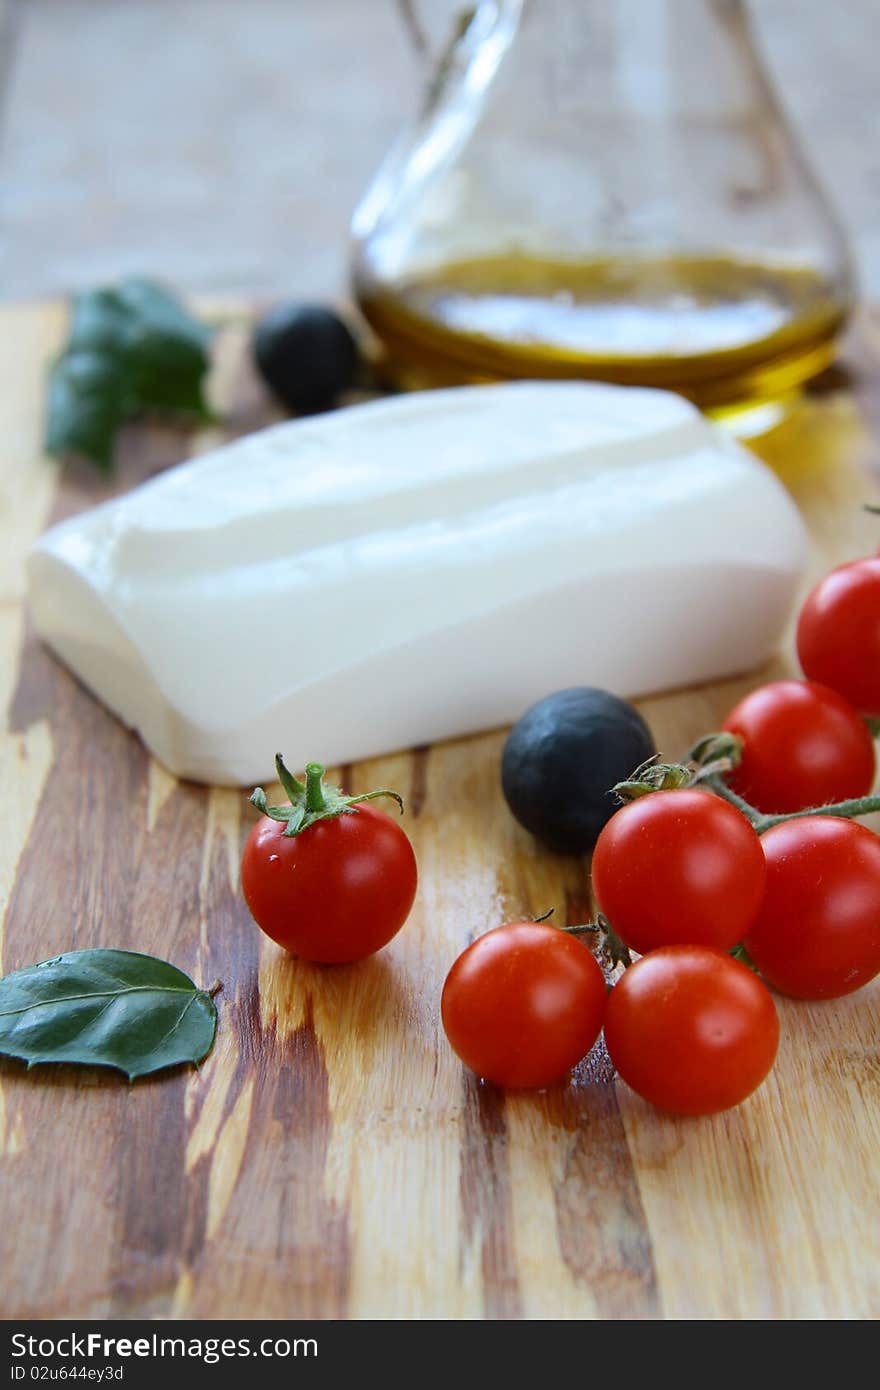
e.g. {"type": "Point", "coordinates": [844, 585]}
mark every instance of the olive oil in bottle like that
{"type": "Point", "coordinates": [728, 332]}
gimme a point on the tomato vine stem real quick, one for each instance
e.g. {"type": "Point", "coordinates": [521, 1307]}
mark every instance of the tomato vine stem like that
{"type": "Point", "coordinates": [707, 765]}
{"type": "Point", "coordinates": [716, 784]}
{"type": "Point", "coordinates": [607, 942]}
{"type": "Point", "coordinates": [842, 810]}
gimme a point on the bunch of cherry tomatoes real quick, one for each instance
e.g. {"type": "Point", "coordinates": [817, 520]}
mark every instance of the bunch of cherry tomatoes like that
{"type": "Point", "coordinates": [687, 876]}
{"type": "Point", "coordinates": [739, 867]}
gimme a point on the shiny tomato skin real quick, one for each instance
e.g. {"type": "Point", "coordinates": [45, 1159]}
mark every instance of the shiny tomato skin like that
{"type": "Point", "coordinates": [691, 1030]}
{"type": "Point", "coordinates": [676, 868]}
{"type": "Point", "coordinates": [817, 935]}
{"type": "Point", "coordinates": [838, 634]}
{"type": "Point", "coordinates": [523, 1004]}
{"type": "Point", "coordinates": [336, 892]}
{"type": "Point", "coordinates": [803, 746]}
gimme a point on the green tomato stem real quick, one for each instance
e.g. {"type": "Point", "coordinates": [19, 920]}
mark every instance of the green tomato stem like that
{"type": "Point", "coordinates": [741, 954]}
{"type": "Point", "coordinates": [720, 788]}
{"type": "Point", "coordinates": [311, 801]}
{"type": "Point", "coordinates": [843, 810]}
{"type": "Point", "coordinates": [315, 799]}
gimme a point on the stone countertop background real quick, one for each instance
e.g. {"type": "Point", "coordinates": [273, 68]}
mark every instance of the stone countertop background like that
{"type": "Point", "coordinates": [222, 144]}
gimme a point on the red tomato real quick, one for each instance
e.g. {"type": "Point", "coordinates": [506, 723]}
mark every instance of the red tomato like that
{"type": "Point", "coordinates": [523, 1004]}
{"type": "Point", "coordinates": [838, 634]}
{"type": "Point", "coordinates": [803, 746]}
{"type": "Point", "coordinates": [691, 1030]}
{"type": "Point", "coordinates": [679, 867]}
{"type": "Point", "coordinates": [337, 891]}
{"type": "Point", "coordinates": [818, 932]}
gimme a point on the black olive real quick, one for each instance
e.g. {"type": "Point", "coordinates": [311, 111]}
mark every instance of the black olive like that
{"type": "Point", "coordinates": [305, 354]}
{"type": "Point", "coordinates": [561, 760]}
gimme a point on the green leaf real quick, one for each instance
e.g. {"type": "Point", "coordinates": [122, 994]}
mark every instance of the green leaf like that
{"type": "Point", "coordinates": [98, 321]}
{"type": "Point", "coordinates": [88, 402]}
{"type": "Point", "coordinates": [158, 310]}
{"type": "Point", "coordinates": [105, 1008]}
{"type": "Point", "coordinates": [167, 348]}
{"type": "Point", "coordinates": [131, 348]}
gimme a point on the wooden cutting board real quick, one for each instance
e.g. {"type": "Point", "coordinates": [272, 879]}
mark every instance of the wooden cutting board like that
{"type": "Point", "coordinates": [331, 1158]}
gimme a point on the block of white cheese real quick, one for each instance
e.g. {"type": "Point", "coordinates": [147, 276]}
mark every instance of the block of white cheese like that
{"type": "Point", "coordinates": [416, 568]}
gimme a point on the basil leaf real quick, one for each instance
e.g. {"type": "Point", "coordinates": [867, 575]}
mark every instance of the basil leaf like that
{"type": "Point", "coordinates": [105, 1008]}
{"type": "Point", "coordinates": [97, 323]}
{"type": "Point", "coordinates": [156, 309]}
{"type": "Point", "coordinates": [166, 373]}
{"type": "Point", "coordinates": [131, 348]}
{"type": "Point", "coordinates": [88, 402]}
{"type": "Point", "coordinates": [167, 347]}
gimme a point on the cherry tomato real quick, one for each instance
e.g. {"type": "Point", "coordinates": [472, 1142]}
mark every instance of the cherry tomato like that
{"type": "Point", "coordinates": [691, 1030]}
{"type": "Point", "coordinates": [818, 932]}
{"type": "Point", "coordinates": [838, 634]}
{"type": "Point", "coordinates": [336, 892]}
{"type": "Point", "coordinates": [679, 867]}
{"type": "Point", "coordinates": [803, 746]}
{"type": "Point", "coordinates": [523, 1004]}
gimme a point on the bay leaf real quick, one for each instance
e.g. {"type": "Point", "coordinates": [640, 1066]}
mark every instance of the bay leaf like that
{"type": "Point", "coordinates": [105, 1008]}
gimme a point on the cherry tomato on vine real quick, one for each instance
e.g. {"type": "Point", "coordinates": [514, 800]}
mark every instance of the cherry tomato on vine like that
{"type": "Point", "coordinates": [335, 890]}
{"type": "Point", "coordinates": [523, 1004]}
{"type": "Point", "coordinates": [838, 634]}
{"type": "Point", "coordinates": [677, 867]}
{"type": "Point", "coordinates": [803, 746]}
{"type": "Point", "coordinates": [817, 935]}
{"type": "Point", "coordinates": [691, 1030]}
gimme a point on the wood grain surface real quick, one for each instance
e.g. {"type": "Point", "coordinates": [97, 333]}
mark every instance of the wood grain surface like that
{"type": "Point", "coordinates": [331, 1159]}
